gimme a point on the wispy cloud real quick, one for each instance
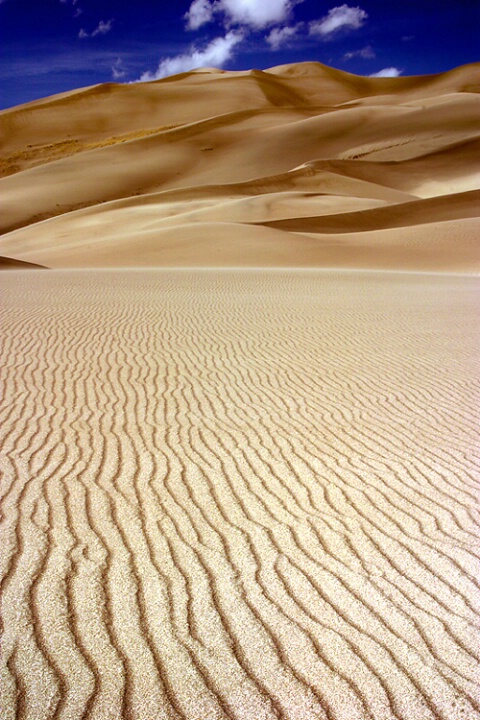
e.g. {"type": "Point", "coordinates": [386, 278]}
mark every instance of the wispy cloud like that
{"type": "Point", "coordinates": [102, 28]}
{"type": "Point", "coordinates": [387, 72]}
{"type": "Point", "coordinates": [78, 10]}
{"type": "Point", "coordinates": [366, 53]}
{"type": "Point", "coordinates": [118, 71]}
{"type": "Point", "coordinates": [281, 36]}
{"type": "Point", "coordinates": [338, 18]}
{"type": "Point", "coordinates": [215, 54]}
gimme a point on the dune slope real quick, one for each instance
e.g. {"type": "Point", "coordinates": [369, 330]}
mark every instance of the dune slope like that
{"type": "Point", "coordinates": [137, 150]}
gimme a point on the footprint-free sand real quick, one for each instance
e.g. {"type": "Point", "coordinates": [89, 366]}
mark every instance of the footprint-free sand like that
{"type": "Point", "coordinates": [239, 410]}
{"type": "Point", "coordinates": [240, 494]}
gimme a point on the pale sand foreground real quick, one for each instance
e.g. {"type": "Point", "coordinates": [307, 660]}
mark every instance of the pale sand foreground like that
{"type": "Point", "coordinates": [239, 494]}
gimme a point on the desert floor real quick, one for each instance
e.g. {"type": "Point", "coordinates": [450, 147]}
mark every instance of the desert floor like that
{"type": "Point", "coordinates": [240, 494]}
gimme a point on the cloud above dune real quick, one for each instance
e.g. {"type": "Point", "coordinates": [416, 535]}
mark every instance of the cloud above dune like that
{"type": "Point", "coordinates": [366, 53]}
{"type": "Point", "coordinates": [338, 18]}
{"type": "Point", "coordinates": [215, 54]}
{"type": "Point", "coordinates": [255, 14]}
{"type": "Point", "coordinates": [118, 71]}
{"type": "Point", "coordinates": [387, 72]}
{"type": "Point", "coordinates": [281, 36]}
{"type": "Point", "coordinates": [200, 13]}
{"type": "Point", "coordinates": [243, 19]}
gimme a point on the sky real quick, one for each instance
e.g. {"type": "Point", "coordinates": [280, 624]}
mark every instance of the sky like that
{"type": "Point", "coordinates": [51, 46]}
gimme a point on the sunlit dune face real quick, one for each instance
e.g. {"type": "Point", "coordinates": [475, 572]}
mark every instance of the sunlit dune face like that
{"type": "Point", "coordinates": [296, 163]}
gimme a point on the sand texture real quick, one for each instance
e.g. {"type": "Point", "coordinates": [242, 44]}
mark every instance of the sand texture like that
{"type": "Point", "coordinates": [243, 494]}
{"type": "Point", "coordinates": [299, 165]}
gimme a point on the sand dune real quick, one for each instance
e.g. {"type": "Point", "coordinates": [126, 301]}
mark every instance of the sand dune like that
{"type": "Point", "coordinates": [418, 212]}
{"type": "Point", "coordinates": [8, 263]}
{"type": "Point", "coordinates": [455, 168]}
{"type": "Point", "coordinates": [140, 241]}
{"type": "Point", "coordinates": [231, 494]}
{"type": "Point", "coordinates": [234, 136]}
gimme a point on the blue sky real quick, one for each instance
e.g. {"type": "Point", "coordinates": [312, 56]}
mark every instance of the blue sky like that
{"type": "Point", "coordinates": [49, 46]}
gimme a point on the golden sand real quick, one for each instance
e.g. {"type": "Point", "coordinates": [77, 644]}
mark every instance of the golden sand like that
{"type": "Point", "coordinates": [244, 494]}
{"type": "Point", "coordinates": [299, 165]}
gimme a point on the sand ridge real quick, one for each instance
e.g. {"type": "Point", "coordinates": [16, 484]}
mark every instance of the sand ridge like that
{"type": "Point", "coordinates": [219, 135]}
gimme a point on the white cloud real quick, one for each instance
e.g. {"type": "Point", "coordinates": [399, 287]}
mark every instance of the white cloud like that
{"type": "Point", "coordinates": [387, 72]}
{"type": "Point", "coordinates": [257, 13]}
{"type": "Point", "coordinates": [201, 12]}
{"type": "Point", "coordinates": [337, 18]}
{"type": "Point", "coordinates": [250, 13]}
{"type": "Point", "coordinates": [366, 53]}
{"type": "Point", "coordinates": [215, 54]}
{"type": "Point", "coordinates": [281, 35]}
{"type": "Point", "coordinates": [118, 70]}
{"type": "Point", "coordinates": [102, 29]}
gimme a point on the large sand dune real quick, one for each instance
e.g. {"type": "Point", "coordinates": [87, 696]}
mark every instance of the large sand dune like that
{"type": "Point", "coordinates": [240, 494]}
{"type": "Point", "coordinates": [126, 162]}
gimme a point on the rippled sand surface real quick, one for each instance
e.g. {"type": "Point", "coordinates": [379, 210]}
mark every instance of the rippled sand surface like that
{"type": "Point", "coordinates": [239, 494]}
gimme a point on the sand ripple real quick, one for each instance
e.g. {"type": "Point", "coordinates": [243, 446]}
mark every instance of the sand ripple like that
{"type": "Point", "coordinates": [239, 494]}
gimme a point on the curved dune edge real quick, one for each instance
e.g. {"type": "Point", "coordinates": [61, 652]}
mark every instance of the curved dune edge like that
{"type": "Point", "coordinates": [418, 212]}
{"type": "Point", "coordinates": [270, 147]}
{"type": "Point", "coordinates": [8, 263]}
{"type": "Point", "coordinates": [450, 246]}
{"type": "Point", "coordinates": [239, 495]}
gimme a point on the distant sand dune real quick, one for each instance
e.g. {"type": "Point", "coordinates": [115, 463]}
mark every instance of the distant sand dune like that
{"type": "Point", "coordinates": [417, 212]}
{"type": "Point", "coordinates": [220, 136]}
{"type": "Point", "coordinates": [454, 168]}
{"type": "Point", "coordinates": [239, 494]}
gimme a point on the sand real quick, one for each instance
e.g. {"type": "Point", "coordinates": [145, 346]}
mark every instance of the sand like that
{"type": "Point", "coordinates": [239, 410]}
{"type": "Point", "coordinates": [240, 494]}
{"type": "Point", "coordinates": [192, 170]}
